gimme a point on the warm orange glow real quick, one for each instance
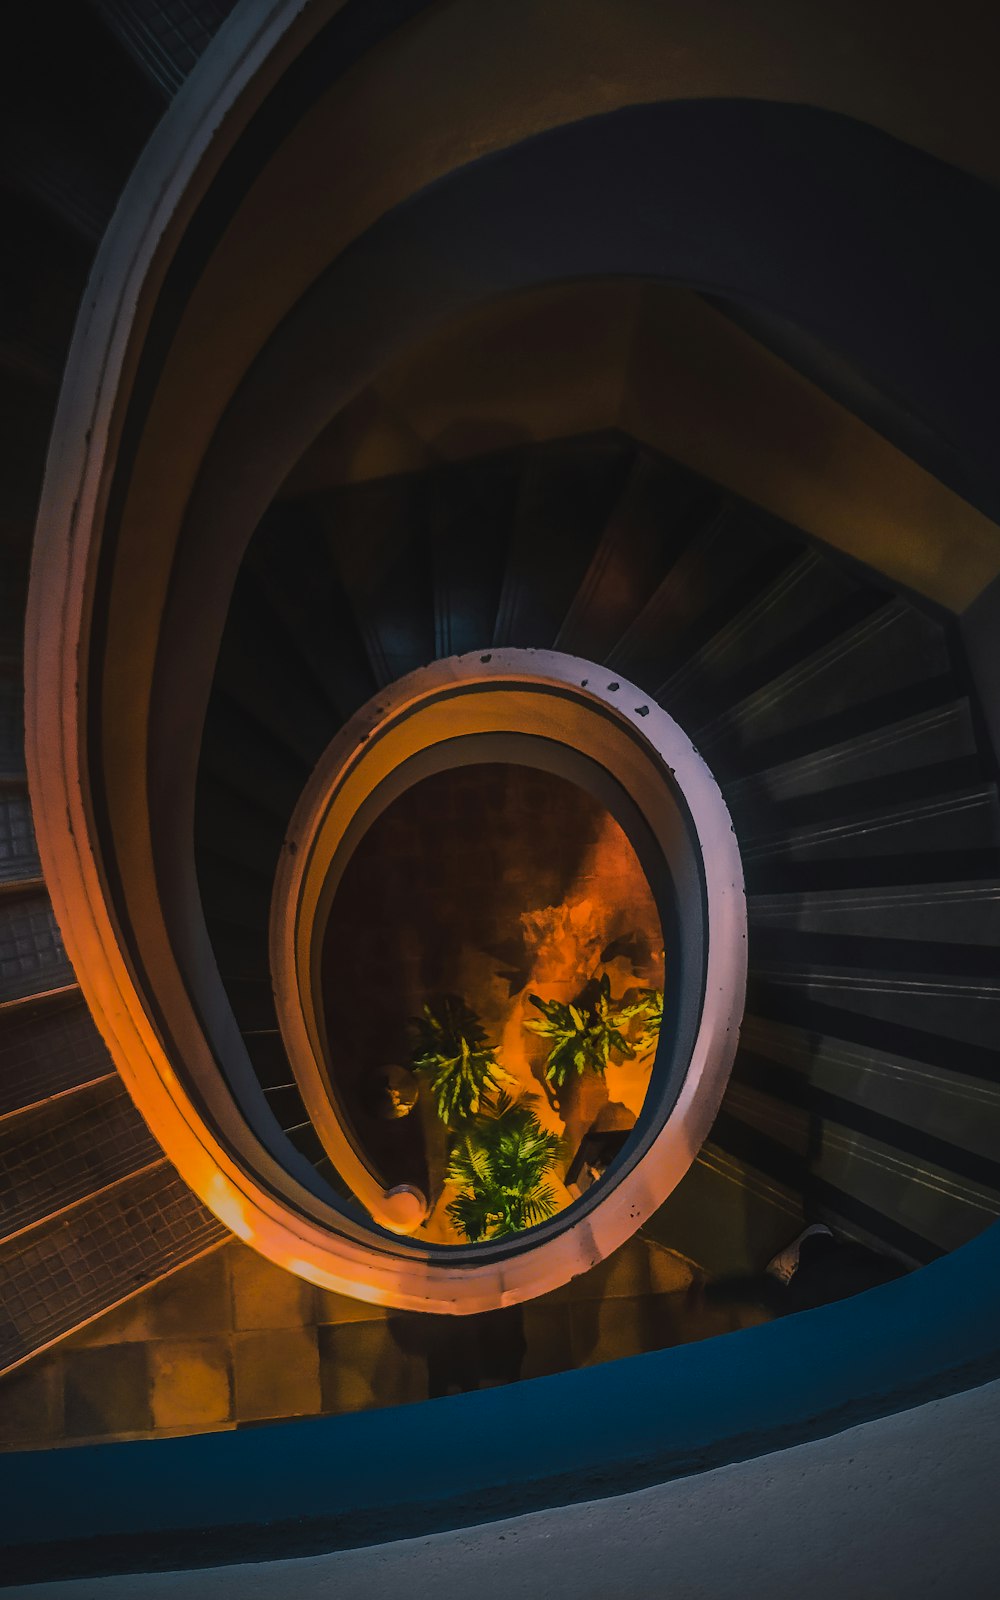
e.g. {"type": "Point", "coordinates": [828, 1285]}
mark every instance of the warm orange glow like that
{"type": "Point", "coordinates": [607, 898]}
{"type": "Point", "coordinates": [229, 1207]}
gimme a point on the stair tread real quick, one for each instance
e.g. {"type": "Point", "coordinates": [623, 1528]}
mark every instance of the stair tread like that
{"type": "Point", "coordinates": [644, 533]}
{"type": "Point", "coordinates": [807, 597]}
{"type": "Point", "coordinates": [69, 1269]}
{"type": "Point", "coordinates": [892, 648]}
{"type": "Point", "coordinates": [888, 828]}
{"type": "Point", "coordinates": [566, 495]}
{"type": "Point", "coordinates": [720, 561]}
{"type": "Point", "coordinates": [964, 913]}
{"type": "Point", "coordinates": [56, 1154]}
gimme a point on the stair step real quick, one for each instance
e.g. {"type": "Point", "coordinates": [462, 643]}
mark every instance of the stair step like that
{"type": "Point", "coordinates": [379, 540]}
{"type": "Point", "coordinates": [941, 735]}
{"type": "Point", "coordinates": [77, 113]}
{"type": "Point", "coordinates": [797, 611]}
{"type": "Point", "coordinates": [107, 1248]}
{"type": "Point", "coordinates": [819, 1200]}
{"type": "Point", "coordinates": [48, 1049]}
{"type": "Point", "coordinates": [289, 1108]}
{"type": "Point", "coordinates": [19, 861]}
{"type": "Point", "coordinates": [566, 496]}
{"type": "Point", "coordinates": [61, 1152]}
{"type": "Point", "coordinates": [796, 1064]}
{"type": "Point", "coordinates": [961, 1009]}
{"type": "Point", "coordinates": [966, 820]}
{"type": "Point", "coordinates": [32, 958]}
{"type": "Point", "coordinates": [896, 1186]}
{"type": "Point", "coordinates": [734, 552]}
{"type": "Point", "coordinates": [894, 648]}
{"type": "Point", "coordinates": [875, 953]}
{"type": "Point", "coordinates": [309, 1144]}
{"type": "Point", "coordinates": [659, 506]}
{"type": "Point", "coordinates": [165, 41]}
{"type": "Point", "coordinates": [270, 1059]}
{"type": "Point", "coordinates": [727, 1215]}
{"type": "Point", "coordinates": [470, 520]}
{"type": "Point", "coordinates": [942, 913]}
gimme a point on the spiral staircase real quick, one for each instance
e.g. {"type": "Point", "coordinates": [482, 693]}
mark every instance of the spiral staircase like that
{"type": "Point", "coordinates": [839, 703]}
{"type": "Point", "coordinates": [838, 717]}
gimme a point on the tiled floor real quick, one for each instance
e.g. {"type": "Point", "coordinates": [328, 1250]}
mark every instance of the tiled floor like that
{"type": "Point", "coordinates": [232, 1340]}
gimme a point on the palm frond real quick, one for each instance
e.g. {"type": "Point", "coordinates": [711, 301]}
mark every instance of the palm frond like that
{"type": "Point", "coordinates": [539, 1206]}
{"type": "Point", "coordinates": [469, 1162]}
{"type": "Point", "coordinates": [471, 1214]}
{"type": "Point", "coordinates": [499, 1163]}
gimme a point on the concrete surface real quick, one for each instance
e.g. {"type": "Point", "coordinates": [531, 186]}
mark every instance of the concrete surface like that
{"type": "Point", "coordinates": [901, 1506]}
{"type": "Point", "coordinates": [233, 1339]}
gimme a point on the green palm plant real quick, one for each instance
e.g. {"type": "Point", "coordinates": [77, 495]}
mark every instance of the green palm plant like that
{"type": "Point", "coordinates": [583, 1035]}
{"type": "Point", "coordinates": [454, 1058]}
{"type": "Point", "coordinates": [650, 1009]}
{"type": "Point", "coordinates": [500, 1164]}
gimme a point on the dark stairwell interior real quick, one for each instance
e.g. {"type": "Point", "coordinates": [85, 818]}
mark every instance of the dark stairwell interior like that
{"type": "Point", "coordinates": [838, 716]}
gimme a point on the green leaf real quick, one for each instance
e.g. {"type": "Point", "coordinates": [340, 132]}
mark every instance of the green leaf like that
{"type": "Point", "coordinates": [586, 1031]}
{"type": "Point", "coordinates": [452, 1054]}
{"type": "Point", "coordinates": [499, 1164]}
